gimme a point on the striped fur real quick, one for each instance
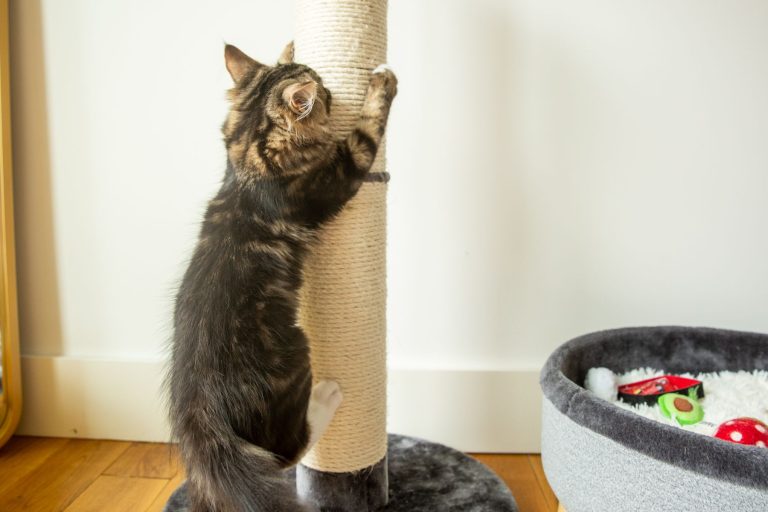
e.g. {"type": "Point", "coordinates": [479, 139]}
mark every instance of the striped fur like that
{"type": "Point", "coordinates": [239, 380]}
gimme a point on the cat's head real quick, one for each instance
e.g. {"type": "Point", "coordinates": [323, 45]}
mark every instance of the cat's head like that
{"type": "Point", "coordinates": [286, 97]}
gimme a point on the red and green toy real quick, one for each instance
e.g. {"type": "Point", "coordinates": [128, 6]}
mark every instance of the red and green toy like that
{"type": "Point", "coordinates": [648, 391]}
{"type": "Point", "coordinates": [686, 410]}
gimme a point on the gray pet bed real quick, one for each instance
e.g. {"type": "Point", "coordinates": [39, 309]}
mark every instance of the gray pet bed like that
{"type": "Point", "coordinates": [426, 477]}
{"type": "Point", "coordinates": [598, 457]}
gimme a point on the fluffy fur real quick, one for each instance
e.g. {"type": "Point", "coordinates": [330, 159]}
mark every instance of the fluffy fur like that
{"type": "Point", "coordinates": [240, 380]}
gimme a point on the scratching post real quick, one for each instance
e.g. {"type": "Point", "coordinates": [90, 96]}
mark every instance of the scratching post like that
{"type": "Point", "coordinates": [356, 467]}
{"type": "Point", "coordinates": [343, 307]}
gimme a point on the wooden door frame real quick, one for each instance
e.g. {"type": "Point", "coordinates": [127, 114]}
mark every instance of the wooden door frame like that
{"type": "Point", "coordinates": [10, 400]}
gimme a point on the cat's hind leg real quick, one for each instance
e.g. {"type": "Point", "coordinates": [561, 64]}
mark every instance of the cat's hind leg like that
{"type": "Point", "coordinates": [325, 399]}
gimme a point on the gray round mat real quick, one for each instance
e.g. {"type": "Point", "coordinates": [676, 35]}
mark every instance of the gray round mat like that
{"type": "Point", "coordinates": [426, 477]}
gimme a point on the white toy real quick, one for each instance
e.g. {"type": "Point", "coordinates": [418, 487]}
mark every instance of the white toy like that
{"type": "Point", "coordinates": [603, 383]}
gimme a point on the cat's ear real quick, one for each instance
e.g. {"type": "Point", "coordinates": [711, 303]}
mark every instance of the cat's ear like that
{"type": "Point", "coordinates": [301, 97]}
{"type": "Point", "coordinates": [238, 63]}
{"type": "Point", "coordinates": [287, 56]}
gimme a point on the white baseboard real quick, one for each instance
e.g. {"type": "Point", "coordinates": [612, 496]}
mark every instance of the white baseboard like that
{"type": "Point", "coordinates": [472, 410]}
{"type": "Point", "coordinates": [92, 398]}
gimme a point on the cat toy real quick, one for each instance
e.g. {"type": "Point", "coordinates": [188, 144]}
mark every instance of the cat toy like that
{"type": "Point", "coordinates": [749, 431]}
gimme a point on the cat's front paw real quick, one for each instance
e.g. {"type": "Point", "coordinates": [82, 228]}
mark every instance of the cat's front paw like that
{"type": "Point", "coordinates": [383, 77]}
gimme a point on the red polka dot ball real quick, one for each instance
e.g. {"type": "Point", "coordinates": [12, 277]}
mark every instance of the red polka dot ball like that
{"type": "Point", "coordinates": [749, 431]}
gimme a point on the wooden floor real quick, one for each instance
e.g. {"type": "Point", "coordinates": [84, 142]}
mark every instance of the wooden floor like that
{"type": "Point", "coordinates": [46, 474]}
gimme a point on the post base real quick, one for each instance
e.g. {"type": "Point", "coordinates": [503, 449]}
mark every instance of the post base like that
{"type": "Point", "coordinates": [359, 491]}
{"type": "Point", "coordinates": [423, 477]}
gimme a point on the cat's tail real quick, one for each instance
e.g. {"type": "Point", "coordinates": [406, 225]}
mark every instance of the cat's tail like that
{"type": "Point", "coordinates": [225, 472]}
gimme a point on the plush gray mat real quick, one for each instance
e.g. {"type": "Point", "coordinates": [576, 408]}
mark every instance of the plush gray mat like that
{"type": "Point", "coordinates": [426, 477]}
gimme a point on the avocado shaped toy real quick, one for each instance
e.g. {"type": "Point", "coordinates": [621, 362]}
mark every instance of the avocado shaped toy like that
{"type": "Point", "coordinates": [686, 410]}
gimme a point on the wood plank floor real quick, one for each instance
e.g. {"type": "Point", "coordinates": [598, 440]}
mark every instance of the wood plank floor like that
{"type": "Point", "coordinates": [77, 475]}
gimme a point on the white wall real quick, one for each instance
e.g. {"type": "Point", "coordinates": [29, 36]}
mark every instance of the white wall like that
{"type": "Point", "coordinates": [561, 167]}
{"type": "Point", "coordinates": [558, 167]}
{"type": "Point", "coordinates": [119, 139]}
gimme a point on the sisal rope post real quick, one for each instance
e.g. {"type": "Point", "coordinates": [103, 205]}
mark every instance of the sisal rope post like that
{"type": "Point", "coordinates": [343, 307]}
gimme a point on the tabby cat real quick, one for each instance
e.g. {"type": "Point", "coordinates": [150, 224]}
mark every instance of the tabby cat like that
{"type": "Point", "coordinates": [242, 405]}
